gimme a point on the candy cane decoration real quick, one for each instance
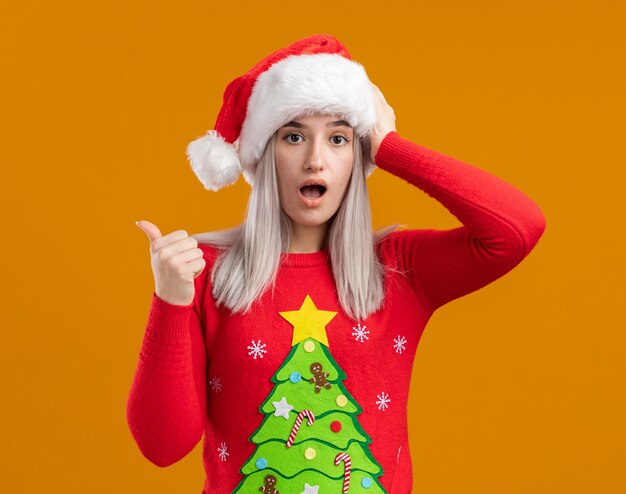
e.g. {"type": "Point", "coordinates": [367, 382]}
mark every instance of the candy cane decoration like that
{"type": "Point", "coordinates": [347, 466]}
{"type": "Point", "coordinates": [304, 413]}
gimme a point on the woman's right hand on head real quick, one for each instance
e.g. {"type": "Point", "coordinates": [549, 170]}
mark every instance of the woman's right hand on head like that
{"type": "Point", "coordinates": [176, 262]}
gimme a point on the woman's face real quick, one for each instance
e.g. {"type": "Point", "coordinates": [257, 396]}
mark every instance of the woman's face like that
{"type": "Point", "coordinates": [315, 149]}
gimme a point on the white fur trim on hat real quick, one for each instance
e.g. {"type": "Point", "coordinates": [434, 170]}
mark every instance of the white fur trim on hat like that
{"type": "Point", "coordinates": [214, 161]}
{"type": "Point", "coordinates": [323, 82]}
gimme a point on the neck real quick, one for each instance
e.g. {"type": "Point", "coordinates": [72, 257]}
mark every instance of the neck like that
{"type": "Point", "coordinates": [307, 239]}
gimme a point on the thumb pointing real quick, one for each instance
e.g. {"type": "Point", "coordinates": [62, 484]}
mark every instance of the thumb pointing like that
{"type": "Point", "coordinates": [149, 229]}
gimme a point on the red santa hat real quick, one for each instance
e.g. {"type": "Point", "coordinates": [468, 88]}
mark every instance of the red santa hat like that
{"type": "Point", "coordinates": [313, 74]}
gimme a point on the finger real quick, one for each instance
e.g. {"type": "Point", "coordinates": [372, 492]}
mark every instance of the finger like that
{"type": "Point", "coordinates": [176, 236]}
{"type": "Point", "coordinates": [190, 255]}
{"type": "Point", "coordinates": [174, 243]}
{"type": "Point", "coordinates": [380, 93]}
{"type": "Point", "coordinates": [197, 267]}
{"type": "Point", "coordinates": [171, 239]}
{"type": "Point", "coordinates": [190, 261]}
{"type": "Point", "coordinates": [382, 96]}
{"type": "Point", "coordinates": [149, 229]}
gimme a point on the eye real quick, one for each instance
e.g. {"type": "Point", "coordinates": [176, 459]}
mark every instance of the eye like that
{"type": "Point", "coordinates": [346, 140]}
{"type": "Point", "coordinates": [289, 139]}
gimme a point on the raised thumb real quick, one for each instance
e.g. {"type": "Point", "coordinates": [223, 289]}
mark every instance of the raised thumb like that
{"type": "Point", "coordinates": [149, 229]}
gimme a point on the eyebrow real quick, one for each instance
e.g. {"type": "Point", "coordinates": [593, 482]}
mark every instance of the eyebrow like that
{"type": "Point", "coordinates": [336, 123]}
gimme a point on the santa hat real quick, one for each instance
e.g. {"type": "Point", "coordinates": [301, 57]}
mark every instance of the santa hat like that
{"type": "Point", "coordinates": [314, 74]}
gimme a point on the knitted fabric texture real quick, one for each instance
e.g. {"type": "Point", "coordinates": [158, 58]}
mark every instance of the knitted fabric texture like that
{"type": "Point", "coordinates": [247, 382]}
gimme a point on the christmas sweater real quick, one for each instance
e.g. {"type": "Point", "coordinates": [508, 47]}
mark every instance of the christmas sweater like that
{"type": "Point", "coordinates": [294, 397]}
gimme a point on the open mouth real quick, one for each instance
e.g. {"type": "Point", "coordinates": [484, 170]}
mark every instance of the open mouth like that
{"type": "Point", "coordinates": [314, 191]}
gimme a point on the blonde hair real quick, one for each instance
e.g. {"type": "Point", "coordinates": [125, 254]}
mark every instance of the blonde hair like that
{"type": "Point", "coordinates": [251, 251]}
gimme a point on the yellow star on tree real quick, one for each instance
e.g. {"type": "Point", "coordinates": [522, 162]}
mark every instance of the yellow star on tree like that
{"type": "Point", "coordinates": [309, 322]}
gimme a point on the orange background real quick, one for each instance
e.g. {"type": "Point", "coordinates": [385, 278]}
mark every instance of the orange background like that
{"type": "Point", "coordinates": [517, 388]}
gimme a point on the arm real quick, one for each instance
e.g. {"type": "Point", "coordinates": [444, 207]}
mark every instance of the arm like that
{"type": "Point", "coordinates": [501, 225]}
{"type": "Point", "coordinates": [167, 399]}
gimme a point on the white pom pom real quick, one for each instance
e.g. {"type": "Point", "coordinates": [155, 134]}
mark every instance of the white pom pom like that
{"type": "Point", "coordinates": [214, 161]}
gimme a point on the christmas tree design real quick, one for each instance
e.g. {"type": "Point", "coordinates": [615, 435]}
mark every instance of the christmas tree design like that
{"type": "Point", "coordinates": [330, 453]}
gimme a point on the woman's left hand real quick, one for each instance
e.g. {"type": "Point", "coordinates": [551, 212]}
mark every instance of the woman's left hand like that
{"type": "Point", "coordinates": [385, 120]}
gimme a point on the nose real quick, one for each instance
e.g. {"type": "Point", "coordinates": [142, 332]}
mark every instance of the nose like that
{"type": "Point", "coordinates": [315, 158]}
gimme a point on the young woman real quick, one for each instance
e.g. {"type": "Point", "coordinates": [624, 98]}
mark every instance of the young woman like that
{"type": "Point", "coordinates": [303, 313]}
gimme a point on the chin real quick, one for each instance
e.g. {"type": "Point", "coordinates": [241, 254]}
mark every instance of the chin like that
{"type": "Point", "coordinates": [313, 219]}
{"type": "Point", "coordinates": [309, 222]}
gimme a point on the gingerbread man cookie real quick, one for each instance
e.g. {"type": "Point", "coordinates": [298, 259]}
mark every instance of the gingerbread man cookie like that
{"type": "Point", "coordinates": [319, 377]}
{"type": "Point", "coordinates": [268, 485]}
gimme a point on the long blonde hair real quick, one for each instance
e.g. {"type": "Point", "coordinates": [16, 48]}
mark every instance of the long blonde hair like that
{"type": "Point", "coordinates": [250, 252]}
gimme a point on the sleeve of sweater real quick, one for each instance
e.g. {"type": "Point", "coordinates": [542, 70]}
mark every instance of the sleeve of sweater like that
{"type": "Point", "coordinates": [167, 399]}
{"type": "Point", "coordinates": [501, 225]}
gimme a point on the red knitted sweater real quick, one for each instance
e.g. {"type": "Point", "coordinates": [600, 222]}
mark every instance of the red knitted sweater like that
{"type": "Point", "coordinates": [295, 397]}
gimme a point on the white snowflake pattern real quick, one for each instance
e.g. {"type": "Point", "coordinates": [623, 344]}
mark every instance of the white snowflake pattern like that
{"type": "Point", "coordinates": [216, 385]}
{"type": "Point", "coordinates": [257, 349]}
{"type": "Point", "coordinates": [398, 457]}
{"type": "Point", "coordinates": [383, 401]}
{"type": "Point", "coordinates": [360, 333]}
{"type": "Point", "coordinates": [399, 344]}
{"type": "Point", "coordinates": [223, 451]}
